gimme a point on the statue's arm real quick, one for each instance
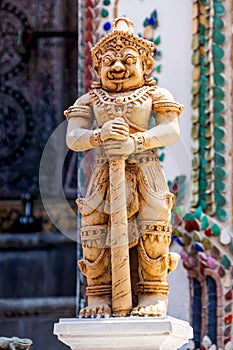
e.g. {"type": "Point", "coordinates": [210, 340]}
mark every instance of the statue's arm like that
{"type": "Point", "coordinates": [167, 129]}
{"type": "Point", "coordinates": [79, 136]}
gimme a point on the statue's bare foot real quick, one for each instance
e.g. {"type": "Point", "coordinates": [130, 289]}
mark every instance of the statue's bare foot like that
{"type": "Point", "coordinates": [96, 309]}
{"type": "Point", "coordinates": [151, 305]}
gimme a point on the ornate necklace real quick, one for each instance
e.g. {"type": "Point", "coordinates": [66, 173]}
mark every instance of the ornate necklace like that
{"type": "Point", "coordinates": [102, 97]}
{"type": "Point", "coordinates": [121, 106]}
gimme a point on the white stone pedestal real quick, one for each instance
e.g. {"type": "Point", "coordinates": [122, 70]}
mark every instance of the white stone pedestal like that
{"type": "Point", "coordinates": [126, 333]}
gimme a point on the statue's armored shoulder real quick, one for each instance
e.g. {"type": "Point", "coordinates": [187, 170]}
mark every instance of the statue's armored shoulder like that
{"type": "Point", "coordinates": [81, 107]}
{"type": "Point", "coordinates": [163, 101]}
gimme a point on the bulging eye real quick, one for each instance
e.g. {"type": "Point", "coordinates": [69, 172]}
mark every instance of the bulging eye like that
{"type": "Point", "coordinates": [130, 60]}
{"type": "Point", "coordinates": [107, 61]}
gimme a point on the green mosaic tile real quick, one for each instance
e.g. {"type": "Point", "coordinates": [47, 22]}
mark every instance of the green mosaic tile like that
{"type": "Point", "coordinates": [219, 93]}
{"type": "Point", "coordinates": [219, 159]}
{"type": "Point", "coordinates": [218, 52]}
{"type": "Point", "coordinates": [219, 107]}
{"type": "Point", "coordinates": [203, 164]}
{"type": "Point", "coordinates": [203, 69]}
{"type": "Point", "coordinates": [218, 22]}
{"type": "Point", "coordinates": [202, 203]}
{"type": "Point", "coordinates": [204, 222]}
{"type": "Point", "coordinates": [157, 41]}
{"type": "Point", "coordinates": [202, 185]}
{"type": "Point", "coordinates": [219, 186]}
{"type": "Point", "coordinates": [219, 79]}
{"type": "Point", "coordinates": [202, 29]}
{"type": "Point", "coordinates": [219, 173]}
{"type": "Point", "coordinates": [202, 131]}
{"type": "Point", "coordinates": [219, 9]}
{"type": "Point", "coordinates": [107, 2]}
{"type": "Point", "coordinates": [188, 217]}
{"type": "Point", "coordinates": [225, 261]}
{"type": "Point", "coordinates": [219, 146]}
{"type": "Point", "coordinates": [198, 213]}
{"type": "Point", "coordinates": [221, 214]}
{"type": "Point", "coordinates": [219, 120]}
{"type": "Point", "coordinates": [218, 37]}
{"type": "Point", "coordinates": [104, 13]}
{"type": "Point", "coordinates": [220, 199]}
{"type": "Point", "coordinates": [219, 133]}
{"type": "Point", "coordinates": [218, 66]}
{"type": "Point", "coordinates": [202, 39]}
{"type": "Point", "coordinates": [216, 230]}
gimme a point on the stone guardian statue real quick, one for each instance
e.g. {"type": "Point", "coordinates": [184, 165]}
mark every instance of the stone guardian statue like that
{"type": "Point", "coordinates": [126, 212]}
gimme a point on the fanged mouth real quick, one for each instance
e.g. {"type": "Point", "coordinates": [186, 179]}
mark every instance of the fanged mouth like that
{"type": "Point", "coordinates": [118, 75]}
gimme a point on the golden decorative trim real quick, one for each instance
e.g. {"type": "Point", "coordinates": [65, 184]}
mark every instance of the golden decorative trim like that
{"type": "Point", "coordinates": [95, 139]}
{"type": "Point", "coordinates": [167, 106]}
{"type": "Point", "coordinates": [77, 111]}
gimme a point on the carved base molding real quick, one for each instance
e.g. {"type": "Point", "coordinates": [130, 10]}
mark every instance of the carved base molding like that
{"type": "Point", "coordinates": [128, 333]}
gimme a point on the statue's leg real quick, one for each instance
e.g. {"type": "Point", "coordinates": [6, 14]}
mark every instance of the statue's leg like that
{"type": "Point", "coordinates": [154, 258]}
{"type": "Point", "coordinates": [96, 266]}
{"type": "Point", "coordinates": [155, 262]}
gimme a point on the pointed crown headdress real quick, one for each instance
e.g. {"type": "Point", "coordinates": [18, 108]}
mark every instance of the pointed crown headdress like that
{"type": "Point", "coordinates": [122, 35]}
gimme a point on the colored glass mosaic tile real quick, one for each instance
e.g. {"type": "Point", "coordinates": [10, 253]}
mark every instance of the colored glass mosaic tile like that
{"type": "Point", "coordinates": [199, 247]}
{"type": "Point", "coordinates": [219, 79]}
{"type": "Point", "coordinates": [188, 217]}
{"type": "Point", "coordinates": [219, 185]}
{"type": "Point", "coordinates": [219, 66]}
{"type": "Point", "coordinates": [198, 213]}
{"type": "Point", "coordinates": [211, 263]}
{"type": "Point", "coordinates": [216, 230]}
{"type": "Point", "coordinates": [231, 246]}
{"type": "Point", "coordinates": [104, 13]}
{"type": "Point", "coordinates": [219, 146]}
{"type": "Point", "coordinates": [218, 37]}
{"type": "Point", "coordinates": [107, 26]}
{"type": "Point", "coordinates": [218, 93]}
{"type": "Point", "coordinates": [221, 214]}
{"type": "Point", "coordinates": [220, 199]}
{"type": "Point", "coordinates": [219, 159]}
{"type": "Point", "coordinates": [208, 232]}
{"type": "Point", "coordinates": [218, 22]}
{"type": "Point", "coordinates": [225, 261]}
{"type": "Point", "coordinates": [218, 52]}
{"type": "Point", "coordinates": [197, 237]}
{"type": "Point", "coordinates": [204, 223]}
{"type": "Point", "coordinates": [221, 271]}
{"type": "Point", "coordinates": [219, 9]}
{"type": "Point", "coordinates": [227, 331]}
